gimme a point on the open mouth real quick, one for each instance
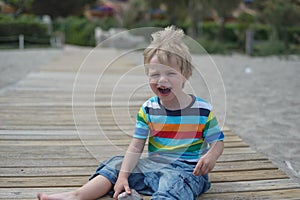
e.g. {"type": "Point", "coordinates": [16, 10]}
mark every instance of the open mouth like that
{"type": "Point", "coordinates": [164, 91]}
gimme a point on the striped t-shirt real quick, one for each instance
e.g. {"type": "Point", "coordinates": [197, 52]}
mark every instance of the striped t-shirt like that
{"type": "Point", "coordinates": [179, 134]}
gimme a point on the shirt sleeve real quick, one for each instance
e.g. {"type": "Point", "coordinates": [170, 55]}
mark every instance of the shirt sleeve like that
{"type": "Point", "coordinates": [212, 132]}
{"type": "Point", "coordinates": [141, 126]}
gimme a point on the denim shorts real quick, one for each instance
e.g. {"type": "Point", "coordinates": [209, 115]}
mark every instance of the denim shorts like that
{"type": "Point", "coordinates": [158, 177]}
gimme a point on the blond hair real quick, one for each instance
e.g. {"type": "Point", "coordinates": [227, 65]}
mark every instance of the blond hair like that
{"type": "Point", "coordinates": [168, 44]}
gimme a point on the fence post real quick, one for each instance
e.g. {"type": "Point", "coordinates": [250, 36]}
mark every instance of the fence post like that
{"type": "Point", "coordinates": [21, 41]}
{"type": "Point", "coordinates": [249, 41]}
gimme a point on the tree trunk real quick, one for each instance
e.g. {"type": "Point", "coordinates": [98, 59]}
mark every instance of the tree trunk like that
{"type": "Point", "coordinates": [286, 38]}
{"type": "Point", "coordinates": [195, 9]}
{"type": "Point", "coordinates": [222, 28]}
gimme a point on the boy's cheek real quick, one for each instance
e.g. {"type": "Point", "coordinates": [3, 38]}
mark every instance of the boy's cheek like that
{"type": "Point", "coordinates": [152, 83]}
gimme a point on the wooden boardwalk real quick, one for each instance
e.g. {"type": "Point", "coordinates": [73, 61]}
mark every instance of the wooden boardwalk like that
{"type": "Point", "coordinates": [43, 151]}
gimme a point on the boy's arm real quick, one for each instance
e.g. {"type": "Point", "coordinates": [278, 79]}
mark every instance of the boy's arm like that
{"type": "Point", "coordinates": [208, 161]}
{"type": "Point", "coordinates": [131, 158]}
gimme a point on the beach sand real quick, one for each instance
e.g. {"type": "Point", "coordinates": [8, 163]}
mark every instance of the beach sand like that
{"type": "Point", "coordinates": [262, 98]}
{"type": "Point", "coordinates": [263, 104]}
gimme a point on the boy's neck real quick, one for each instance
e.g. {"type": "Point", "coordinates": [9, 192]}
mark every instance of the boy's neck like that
{"type": "Point", "coordinates": [178, 103]}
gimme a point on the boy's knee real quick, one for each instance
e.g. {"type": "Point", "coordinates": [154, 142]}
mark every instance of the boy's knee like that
{"type": "Point", "coordinates": [180, 187]}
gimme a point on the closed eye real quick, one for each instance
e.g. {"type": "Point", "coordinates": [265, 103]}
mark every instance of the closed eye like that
{"type": "Point", "coordinates": [172, 74]}
{"type": "Point", "coordinates": [154, 75]}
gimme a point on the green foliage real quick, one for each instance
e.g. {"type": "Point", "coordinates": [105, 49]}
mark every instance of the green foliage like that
{"type": "Point", "coordinates": [216, 47]}
{"type": "Point", "coordinates": [35, 32]}
{"type": "Point", "coordinates": [107, 23]}
{"type": "Point", "coordinates": [262, 31]}
{"type": "Point", "coordinates": [233, 33]}
{"type": "Point", "coordinates": [26, 25]}
{"type": "Point", "coordinates": [58, 8]}
{"type": "Point", "coordinates": [152, 23]}
{"type": "Point", "coordinates": [234, 38]}
{"type": "Point", "coordinates": [210, 29]}
{"type": "Point", "coordinates": [280, 15]}
{"type": "Point", "coordinates": [294, 34]}
{"type": "Point", "coordinates": [246, 18]}
{"type": "Point", "coordinates": [80, 31]}
{"type": "Point", "coordinates": [20, 4]}
{"type": "Point", "coordinates": [270, 48]}
{"type": "Point", "coordinates": [274, 21]}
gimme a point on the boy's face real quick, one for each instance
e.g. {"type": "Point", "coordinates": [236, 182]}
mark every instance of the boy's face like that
{"type": "Point", "coordinates": [165, 81]}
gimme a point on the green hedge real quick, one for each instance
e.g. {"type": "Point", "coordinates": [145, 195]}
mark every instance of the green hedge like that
{"type": "Point", "coordinates": [294, 35]}
{"type": "Point", "coordinates": [81, 31]}
{"type": "Point", "coordinates": [34, 31]}
{"type": "Point", "coordinates": [26, 25]}
{"type": "Point", "coordinates": [234, 31]}
{"type": "Point", "coordinates": [234, 38]}
{"type": "Point", "coordinates": [270, 48]}
{"type": "Point", "coordinates": [216, 47]}
{"type": "Point", "coordinates": [77, 30]}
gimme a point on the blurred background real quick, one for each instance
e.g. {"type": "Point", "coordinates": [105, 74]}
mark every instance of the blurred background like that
{"type": "Point", "coordinates": [253, 27]}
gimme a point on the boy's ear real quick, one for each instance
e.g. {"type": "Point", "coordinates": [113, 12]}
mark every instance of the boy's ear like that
{"type": "Point", "coordinates": [183, 84]}
{"type": "Point", "coordinates": [146, 69]}
{"type": "Point", "coordinates": [186, 77]}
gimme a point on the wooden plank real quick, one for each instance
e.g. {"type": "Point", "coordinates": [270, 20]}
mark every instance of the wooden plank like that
{"type": "Point", "coordinates": [54, 171]}
{"type": "Point", "coordinates": [29, 193]}
{"type": "Point", "coordinates": [252, 186]}
{"type": "Point", "coordinates": [266, 195]}
{"type": "Point", "coordinates": [123, 140]}
{"type": "Point", "coordinates": [70, 167]}
{"type": "Point", "coordinates": [77, 181]}
{"type": "Point", "coordinates": [35, 182]}
{"type": "Point", "coordinates": [66, 158]}
{"type": "Point", "coordinates": [243, 166]}
{"type": "Point", "coordinates": [52, 162]}
{"type": "Point", "coordinates": [63, 155]}
{"type": "Point", "coordinates": [247, 175]}
{"type": "Point", "coordinates": [54, 149]}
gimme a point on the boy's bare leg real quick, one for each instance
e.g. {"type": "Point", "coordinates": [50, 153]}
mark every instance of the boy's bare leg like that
{"type": "Point", "coordinates": [94, 189]}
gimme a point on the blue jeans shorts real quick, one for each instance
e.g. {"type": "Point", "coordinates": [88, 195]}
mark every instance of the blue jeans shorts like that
{"type": "Point", "coordinates": [159, 178]}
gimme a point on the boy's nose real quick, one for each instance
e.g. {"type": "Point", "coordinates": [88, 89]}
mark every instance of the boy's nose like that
{"type": "Point", "coordinates": [162, 79]}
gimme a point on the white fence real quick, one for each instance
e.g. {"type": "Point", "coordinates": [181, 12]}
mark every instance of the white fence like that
{"type": "Point", "coordinates": [57, 40]}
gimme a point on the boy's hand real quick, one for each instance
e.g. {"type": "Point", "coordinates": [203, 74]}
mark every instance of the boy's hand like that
{"type": "Point", "coordinates": [120, 186]}
{"type": "Point", "coordinates": [208, 161]}
{"type": "Point", "coordinates": [129, 162]}
{"type": "Point", "coordinates": [204, 165]}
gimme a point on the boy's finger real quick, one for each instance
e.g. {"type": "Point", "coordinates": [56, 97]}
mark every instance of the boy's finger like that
{"type": "Point", "coordinates": [196, 171]}
{"type": "Point", "coordinates": [116, 194]}
{"type": "Point", "coordinates": [127, 189]}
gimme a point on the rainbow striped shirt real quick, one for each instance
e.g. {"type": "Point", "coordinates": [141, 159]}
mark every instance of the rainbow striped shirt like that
{"type": "Point", "coordinates": [179, 134]}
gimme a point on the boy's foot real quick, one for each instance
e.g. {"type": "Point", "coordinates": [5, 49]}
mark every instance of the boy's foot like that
{"type": "Point", "coordinates": [62, 196]}
{"type": "Point", "coordinates": [133, 196]}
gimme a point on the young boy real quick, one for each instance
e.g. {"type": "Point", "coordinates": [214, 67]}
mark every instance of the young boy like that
{"type": "Point", "coordinates": [185, 140]}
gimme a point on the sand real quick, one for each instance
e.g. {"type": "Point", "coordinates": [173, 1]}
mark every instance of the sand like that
{"type": "Point", "coordinates": [263, 102]}
{"type": "Point", "coordinates": [262, 98]}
